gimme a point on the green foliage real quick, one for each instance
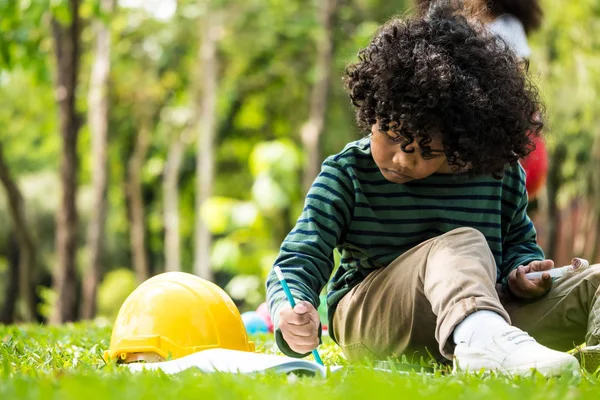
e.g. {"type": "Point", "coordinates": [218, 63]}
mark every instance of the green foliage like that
{"type": "Point", "coordinates": [48, 301]}
{"type": "Point", "coordinates": [224, 215]}
{"type": "Point", "coordinates": [28, 122]}
{"type": "Point", "coordinates": [65, 362]}
{"type": "Point", "coordinates": [116, 286]}
{"type": "Point", "coordinates": [247, 289]}
{"type": "Point", "coordinates": [22, 38]}
{"type": "Point", "coordinates": [276, 167]}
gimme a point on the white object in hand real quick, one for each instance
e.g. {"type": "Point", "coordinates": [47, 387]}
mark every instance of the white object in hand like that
{"type": "Point", "coordinates": [576, 264]}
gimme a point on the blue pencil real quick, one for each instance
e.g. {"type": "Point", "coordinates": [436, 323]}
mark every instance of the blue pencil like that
{"type": "Point", "coordinates": [288, 294]}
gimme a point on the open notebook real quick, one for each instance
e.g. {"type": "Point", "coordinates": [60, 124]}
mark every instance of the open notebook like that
{"type": "Point", "coordinates": [222, 360]}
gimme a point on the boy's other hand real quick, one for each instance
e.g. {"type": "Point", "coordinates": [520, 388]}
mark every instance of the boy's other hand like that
{"type": "Point", "coordinates": [300, 326]}
{"type": "Point", "coordinates": [524, 288]}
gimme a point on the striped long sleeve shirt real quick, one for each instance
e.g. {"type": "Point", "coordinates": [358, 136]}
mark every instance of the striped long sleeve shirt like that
{"type": "Point", "coordinates": [351, 207]}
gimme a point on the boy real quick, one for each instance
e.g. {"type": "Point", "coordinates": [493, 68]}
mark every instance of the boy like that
{"type": "Point", "coordinates": [428, 213]}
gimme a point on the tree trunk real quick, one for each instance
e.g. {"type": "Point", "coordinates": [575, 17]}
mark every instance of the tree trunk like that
{"type": "Point", "coordinates": [66, 39]}
{"type": "Point", "coordinates": [27, 250]}
{"type": "Point", "coordinates": [11, 288]}
{"type": "Point", "coordinates": [595, 252]}
{"type": "Point", "coordinates": [206, 142]}
{"type": "Point", "coordinates": [595, 194]}
{"type": "Point", "coordinates": [582, 223]}
{"type": "Point", "coordinates": [553, 185]}
{"type": "Point", "coordinates": [171, 204]}
{"type": "Point", "coordinates": [312, 129]}
{"type": "Point", "coordinates": [171, 200]}
{"type": "Point", "coordinates": [136, 202]}
{"type": "Point", "coordinates": [98, 122]}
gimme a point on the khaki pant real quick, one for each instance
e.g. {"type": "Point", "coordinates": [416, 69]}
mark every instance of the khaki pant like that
{"type": "Point", "coordinates": [412, 306]}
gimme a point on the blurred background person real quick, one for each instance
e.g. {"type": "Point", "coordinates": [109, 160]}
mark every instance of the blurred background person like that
{"type": "Point", "coordinates": [513, 21]}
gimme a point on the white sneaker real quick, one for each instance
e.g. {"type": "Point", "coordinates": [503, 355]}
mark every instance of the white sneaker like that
{"type": "Point", "coordinates": [512, 351]}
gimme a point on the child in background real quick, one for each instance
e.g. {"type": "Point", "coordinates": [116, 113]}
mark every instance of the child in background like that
{"type": "Point", "coordinates": [429, 214]}
{"type": "Point", "coordinates": [512, 21]}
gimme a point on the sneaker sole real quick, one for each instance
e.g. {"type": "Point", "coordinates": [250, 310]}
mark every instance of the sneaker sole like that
{"type": "Point", "coordinates": [555, 368]}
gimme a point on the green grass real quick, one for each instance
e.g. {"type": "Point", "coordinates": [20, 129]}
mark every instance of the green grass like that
{"type": "Point", "coordinates": [39, 362]}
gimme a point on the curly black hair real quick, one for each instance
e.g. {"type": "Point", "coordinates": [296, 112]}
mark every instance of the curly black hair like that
{"type": "Point", "coordinates": [440, 76]}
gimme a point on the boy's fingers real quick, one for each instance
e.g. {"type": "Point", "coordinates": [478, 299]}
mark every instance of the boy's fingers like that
{"type": "Point", "coordinates": [310, 342]}
{"type": "Point", "coordinates": [299, 339]}
{"type": "Point", "coordinates": [311, 311]}
{"type": "Point", "coordinates": [541, 265]}
{"type": "Point", "coordinates": [534, 287]}
{"type": "Point", "coordinates": [307, 329]}
{"type": "Point", "coordinates": [300, 315]}
{"type": "Point", "coordinates": [546, 282]}
{"type": "Point", "coordinates": [526, 288]}
{"type": "Point", "coordinates": [293, 318]}
{"type": "Point", "coordinates": [301, 307]}
{"type": "Point", "coordinates": [524, 282]}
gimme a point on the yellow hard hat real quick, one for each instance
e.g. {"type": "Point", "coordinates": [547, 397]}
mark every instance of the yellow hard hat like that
{"type": "Point", "coordinates": [176, 314]}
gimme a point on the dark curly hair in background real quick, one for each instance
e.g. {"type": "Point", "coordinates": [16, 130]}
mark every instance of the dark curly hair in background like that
{"type": "Point", "coordinates": [440, 76]}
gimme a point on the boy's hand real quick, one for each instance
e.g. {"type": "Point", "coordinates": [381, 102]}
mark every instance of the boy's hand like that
{"type": "Point", "coordinates": [300, 326]}
{"type": "Point", "coordinates": [524, 288]}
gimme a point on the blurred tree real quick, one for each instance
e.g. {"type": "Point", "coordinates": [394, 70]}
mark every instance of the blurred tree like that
{"type": "Point", "coordinates": [594, 178]}
{"type": "Point", "coordinates": [98, 125]}
{"type": "Point", "coordinates": [171, 196]}
{"type": "Point", "coordinates": [27, 254]}
{"type": "Point", "coordinates": [137, 211]}
{"type": "Point", "coordinates": [67, 36]}
{"type": "Point", "coordinates": [211, 30]}
{"type": "Point", "coordinates": [152, 64]}
{"type": "Point", "coordinates": [554, 183]}
{"type": "Point", "coordinates": [312, 129]}
{"type": "Point", "coordinates": [7, 313]}
{"type": "Point", "coordinates": [20, 43]}
{"type": "Point", "coordinates": [30, 149]}
{"type": "Point", "coordinates": [143, 83]}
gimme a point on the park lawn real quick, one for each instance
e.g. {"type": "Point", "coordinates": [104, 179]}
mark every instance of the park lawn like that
{"type": "Point", "coordinates": [40, 362]}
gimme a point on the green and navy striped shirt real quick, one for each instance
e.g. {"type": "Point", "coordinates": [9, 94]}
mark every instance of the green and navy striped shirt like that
{"type": "Point", "coordinates": [371, 221]}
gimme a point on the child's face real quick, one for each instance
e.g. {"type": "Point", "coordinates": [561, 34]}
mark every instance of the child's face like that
{"type": "Point", "coordinates": [400, 167]}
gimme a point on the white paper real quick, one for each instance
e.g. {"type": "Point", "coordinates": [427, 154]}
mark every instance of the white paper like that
{"type": "Point", "coordinates": [233, 361]}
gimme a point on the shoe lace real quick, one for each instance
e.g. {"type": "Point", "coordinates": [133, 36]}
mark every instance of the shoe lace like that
{"type": "Point", "coordinates": [517, 336]}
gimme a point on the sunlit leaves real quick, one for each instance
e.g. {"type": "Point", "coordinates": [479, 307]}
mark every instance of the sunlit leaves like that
{"type": "Point", "coordinates": [115, 288]}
